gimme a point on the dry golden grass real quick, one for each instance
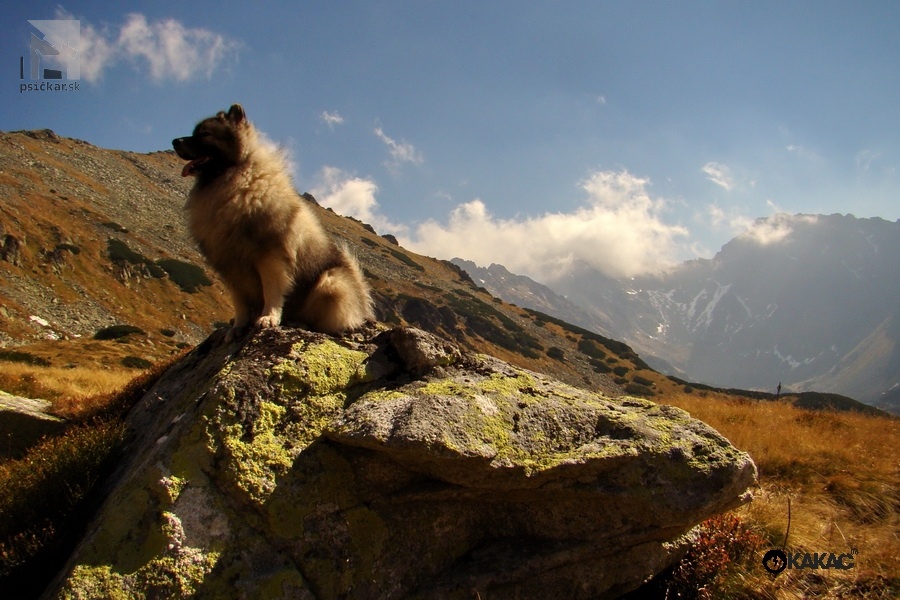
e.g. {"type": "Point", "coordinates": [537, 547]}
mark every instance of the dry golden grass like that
{"type": "Point", "coordinates": [61, 385]}
{"type": "Point", "coordinates": [841, 476]}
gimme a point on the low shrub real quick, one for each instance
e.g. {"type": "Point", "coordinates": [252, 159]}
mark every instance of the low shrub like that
{"type": "Point", "coordinates": [725, 547]}
{"type": "Point", "coordinates": [556, 353]}
{"type": "Point", "coordinates": [406, 260]}
{"type": "Point", "coordinates": [40, 496]}
{"type": "Point", "coordinates": [135, 362]}
{"type": "Point", "coordinates": [23, 357]}
{"type": "Point", "coordinates": [190, 278]}
{"type": "Point", "coordinates": [116, 332]}
{"type": "Point", "coordinates": [636, 389]}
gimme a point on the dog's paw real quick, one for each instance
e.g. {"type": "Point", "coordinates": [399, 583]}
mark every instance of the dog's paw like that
{"type": "Point", "coordinates": [268, 321]}
{"type": "Point", "coordinates": [234, 333]}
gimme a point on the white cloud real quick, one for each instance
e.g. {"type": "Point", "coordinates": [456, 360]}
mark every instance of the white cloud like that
{"type": "Point", "coordinates": [775, 228]}
{"type": "Point", "coordinates": [717, 217]}
{"type": "Point", "coordinates": [719, 174]}
{"type": "Point", "coordinates": [331, 118]}
{"type": "Point", "coordinates": [168, 49]}
{"type": "Point", "coordinates": [354, 197]}
{"type": "Point", "coordinates": [765, 230]}
{"type": "Point", "coordinates": [401, 152]}
{"type": "Point", "coordinates": [619, 230]}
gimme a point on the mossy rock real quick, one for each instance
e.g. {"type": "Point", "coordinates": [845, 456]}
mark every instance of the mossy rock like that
{"type": "Point", "coordinates": [292, 464]}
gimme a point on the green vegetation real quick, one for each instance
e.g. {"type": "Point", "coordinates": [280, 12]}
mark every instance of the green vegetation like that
{"type": "Point", "coordinates": [69, 248]}
{"type": "Point", "coordinates": [636, 389]}
{"type": "Point", "coordinates": [642, 381]}
{"type": "Point", "coordinates": [119, 251]}
{"type": "Point", "coordinates": [406, 260]}
{"type": "Point", "coordinates": [112, 225]}
{"type": "Point", "coordinates": [425, 286]}
{"type": "Point", "coordinates": [23, 357]}
{"type": "Point", "coordinates": [481, 319]}
{"type": "Point", "coordinates": [185, 275]}
{"type": "Point", "coordinates": [556, 353]}
{"type": "Point", "coordinates": [41, 494]}
{"type": "Point", "coordinates": [135, 362]}
{"type": "Point", "coordinates": [591, 348]}
{"type": "Point", "coordinates": [591, 341]}
{"type": "Point", "coordinates": [116, 332]}
{"type": "Point", "coordinates": [599, 366]}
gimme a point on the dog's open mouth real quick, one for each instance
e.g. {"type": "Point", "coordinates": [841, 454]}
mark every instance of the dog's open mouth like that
{"type": "Point", "coordinates": [193, 166]}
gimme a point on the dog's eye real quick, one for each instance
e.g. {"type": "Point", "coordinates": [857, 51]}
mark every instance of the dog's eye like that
{"type": "Point", "coordinates": [203, 134]}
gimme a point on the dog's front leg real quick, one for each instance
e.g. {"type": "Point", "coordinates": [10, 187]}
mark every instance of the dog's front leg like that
{"type": "Point", "coordinates": [241, 315]}
{"type": "Point", "coordinates": [275, 276]}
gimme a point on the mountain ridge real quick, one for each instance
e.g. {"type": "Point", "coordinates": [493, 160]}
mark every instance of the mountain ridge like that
{"type": "Point", "coordinates": [806, 301]}
{"type": "Point", "coordinates": [97, 270]}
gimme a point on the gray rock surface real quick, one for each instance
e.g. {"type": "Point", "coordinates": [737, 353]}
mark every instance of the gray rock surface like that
{"type": "Point", "coordinates": [24, 421]}
{"type": "Point", "coordinates": [393, 465]}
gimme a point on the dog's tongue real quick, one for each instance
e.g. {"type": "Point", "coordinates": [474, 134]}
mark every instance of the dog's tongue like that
{"type": "Point", "coordinates": [191, 167]}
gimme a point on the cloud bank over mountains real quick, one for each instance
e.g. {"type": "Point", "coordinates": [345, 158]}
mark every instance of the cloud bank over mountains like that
{"type": "Point", "coordinates": [619, 228]}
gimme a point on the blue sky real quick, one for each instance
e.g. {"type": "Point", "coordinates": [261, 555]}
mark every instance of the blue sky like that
{"type": "Point", "coordinates": [631, 135]}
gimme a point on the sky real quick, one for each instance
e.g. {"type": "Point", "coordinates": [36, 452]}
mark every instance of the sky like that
{"type": "Point", "coordinates": [627, 135]}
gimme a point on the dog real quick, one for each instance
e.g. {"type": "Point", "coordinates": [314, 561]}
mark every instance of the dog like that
{"type": "Point", "coordinates": [263, 239]}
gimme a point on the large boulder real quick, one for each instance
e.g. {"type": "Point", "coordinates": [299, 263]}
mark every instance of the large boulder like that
{"type": "Point", "coordinates": [394, 465]}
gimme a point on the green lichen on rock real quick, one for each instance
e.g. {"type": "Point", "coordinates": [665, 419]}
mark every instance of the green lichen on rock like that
{"type": "Point", "coordinates": [307, 390]}
{"type": "Point", "coordinates": [321, 368]}
{"type": "Point", "coordinates": [254, 463]}
{"type": "Point", "coordinates": [174, 576]}
{"type": "Point", "coordinates": [302, 466]}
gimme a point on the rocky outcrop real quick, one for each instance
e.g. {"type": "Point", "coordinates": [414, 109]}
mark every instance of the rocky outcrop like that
{"type": "Point", "coordinates": [23, 422]}
{"type": "Point", "coordinates": [393, 465]}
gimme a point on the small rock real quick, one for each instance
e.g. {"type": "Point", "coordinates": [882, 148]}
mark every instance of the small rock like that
{"type": "Point", "coordinates": [421, 352]}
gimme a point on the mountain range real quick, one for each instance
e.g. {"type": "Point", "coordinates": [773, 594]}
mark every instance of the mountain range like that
{"type": "Point", "coordinates": [97, 271]}
{"type": "Point", "coordinates": [808, 302]}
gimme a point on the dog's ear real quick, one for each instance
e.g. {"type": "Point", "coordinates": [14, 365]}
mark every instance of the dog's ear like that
{"type": "Point", "coordinates": [236, 114]}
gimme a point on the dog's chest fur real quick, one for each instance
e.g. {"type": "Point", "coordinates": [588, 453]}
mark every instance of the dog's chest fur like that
{"type": "Point", "coordinates": [241, 215]}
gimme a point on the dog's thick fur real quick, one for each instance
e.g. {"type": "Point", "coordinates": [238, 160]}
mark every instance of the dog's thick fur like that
{"type": "Point", "coordinates": [263, 239]}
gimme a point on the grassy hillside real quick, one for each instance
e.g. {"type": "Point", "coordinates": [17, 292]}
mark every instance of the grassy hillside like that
{"type": "Point", "coordinates": [100, 240]}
